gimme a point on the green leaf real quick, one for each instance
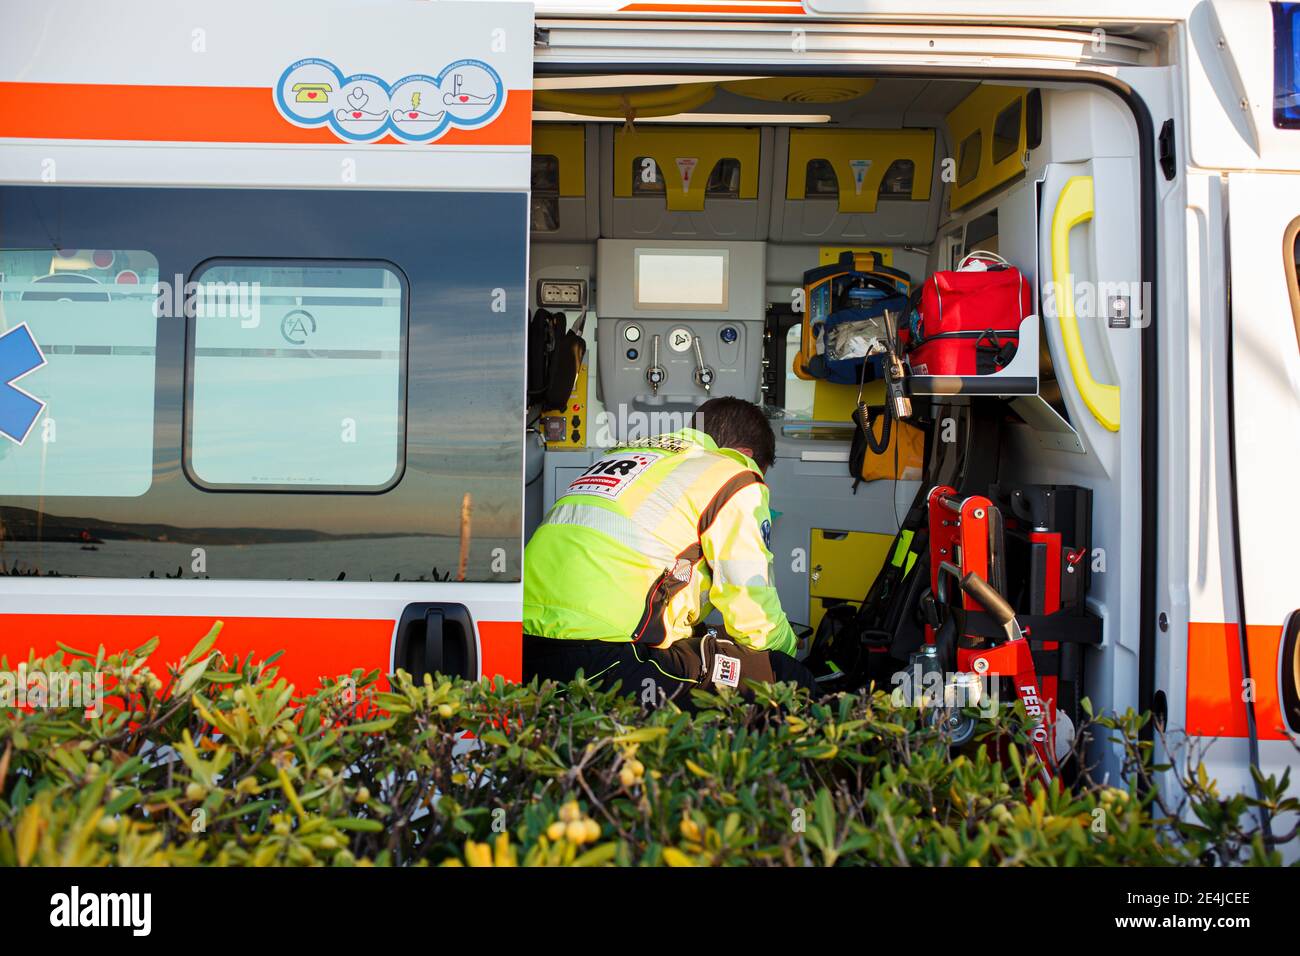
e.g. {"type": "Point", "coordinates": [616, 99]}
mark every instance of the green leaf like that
{"type": "Point", "coordinates": [371, 726]}
{"type": "Point", "coordinates": [359, 824]}
{"type": "Point", "coordinates": [191, 677]}
{"type": "Point", "coordinates": [641, 735]}
{"type": "Point", "coordinates": [205, 643]}
{"type": "Point", "coordinates": [597, 856]}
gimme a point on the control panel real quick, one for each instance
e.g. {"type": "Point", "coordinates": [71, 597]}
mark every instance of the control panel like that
{"type": "Point", "coordinates": [566, 428]}
{"type": "Point", "coordinates": [679, 323]}
{"type": "Point", "coordinates": [659, 362]}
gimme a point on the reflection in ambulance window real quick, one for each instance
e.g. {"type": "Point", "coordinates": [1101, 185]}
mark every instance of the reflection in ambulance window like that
{"type": "Point", "coordinates": [92, 314]}
{"type": "Point", "coordinates": [820, 181]}
{"type": "Point", "coordinates": [297, 376]}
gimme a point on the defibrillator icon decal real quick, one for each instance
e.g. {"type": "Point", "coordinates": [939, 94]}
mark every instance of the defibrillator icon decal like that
{"type": "Point", "coordinates": [611, 476]}
{"type": "Point", "coordinates": [362, 107]}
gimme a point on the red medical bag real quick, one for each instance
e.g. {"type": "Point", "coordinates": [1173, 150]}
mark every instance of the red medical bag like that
{"type": "Point", "coordinates": [969, 320]}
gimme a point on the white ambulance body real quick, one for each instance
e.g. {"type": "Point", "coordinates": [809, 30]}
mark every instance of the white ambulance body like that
{"type": "Point", "coordinates": [349, 475]}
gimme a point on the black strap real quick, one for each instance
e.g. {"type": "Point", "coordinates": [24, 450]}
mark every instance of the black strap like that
{"type": "Point", "coordinates": [651, 628]}
{"type": "Point", "coordinates": [1064, 628]}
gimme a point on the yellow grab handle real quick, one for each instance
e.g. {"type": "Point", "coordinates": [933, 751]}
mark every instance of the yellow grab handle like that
{"type": "Point", "coordinates": [1072, 208]}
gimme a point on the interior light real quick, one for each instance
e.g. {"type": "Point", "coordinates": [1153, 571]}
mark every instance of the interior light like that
{"type": "Point", "coordinates": [627, 80]}
{"type": "Point", "coordinates": [711, 119]}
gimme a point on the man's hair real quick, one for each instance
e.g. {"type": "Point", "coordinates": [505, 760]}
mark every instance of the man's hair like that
{"type": "Point", "coordinates": [735, 423]}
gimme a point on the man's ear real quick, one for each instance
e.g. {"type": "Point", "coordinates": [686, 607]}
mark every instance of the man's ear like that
{"type": "Point", "coordinates": [747, 452]}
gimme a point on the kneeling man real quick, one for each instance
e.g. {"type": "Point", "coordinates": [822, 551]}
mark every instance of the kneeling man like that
{"type": "Point", "coordinates": [641, 547]}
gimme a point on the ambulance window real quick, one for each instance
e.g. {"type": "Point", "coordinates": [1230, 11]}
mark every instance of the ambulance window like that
{"type": "Point", "coordinates": [297, 376]}
{"type": "Point", "coordinates": [982, 233]}
{"type": "Point", "coordinates": [1286, 76]}
{"type": "Point", "coordinates": [820, 181]}
{"type": "Point", "coordinates": [91, 313]}
{"type": "Point", "coordinates": [1006, 132]}
{"type": "Point", "coordinates": [724, 181]}
{"type": "Point", "coordinates": [647, 178]}
{"type": "Point", "coordinates": [546, 193]}
{"type": "Point", "coordinates": [897, 181]}
{"type": "Point", "coordinates": [968, 158]}
{"type": "Point", "coordinates": [953, 248]}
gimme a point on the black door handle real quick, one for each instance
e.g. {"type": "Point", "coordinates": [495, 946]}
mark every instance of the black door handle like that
{"type": "Point", "coordinates": [436, 638]}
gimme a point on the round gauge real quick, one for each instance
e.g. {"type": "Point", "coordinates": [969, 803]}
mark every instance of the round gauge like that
{"type": "Point", "coordinates": [728, 334]}
{"type": "Point", "coordinates": [632, 333]}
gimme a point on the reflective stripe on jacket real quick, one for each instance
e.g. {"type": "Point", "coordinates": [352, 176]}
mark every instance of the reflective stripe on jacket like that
{"type": "Point", "coordinates": [648, 540]}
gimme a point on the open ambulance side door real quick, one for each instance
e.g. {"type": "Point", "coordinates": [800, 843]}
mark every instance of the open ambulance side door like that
{"type": "Point", "coordinates": [263, 303]}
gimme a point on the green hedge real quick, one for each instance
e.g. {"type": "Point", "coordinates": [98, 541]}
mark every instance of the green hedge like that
{"type": "Point", "coordinates": [560, 775]}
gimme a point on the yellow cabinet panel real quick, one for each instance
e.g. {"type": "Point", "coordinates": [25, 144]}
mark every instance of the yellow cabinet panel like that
{"type": "Point", "coordinates": [860, 158]}
{"type": "Point", "coordinates": [567, 143]}
{"type": "Point", "coordinates": [686, 157]}
{"type": "Point", "coordinates": [990, 135]}
{"type": "Point", "coordinates": [843, 564]}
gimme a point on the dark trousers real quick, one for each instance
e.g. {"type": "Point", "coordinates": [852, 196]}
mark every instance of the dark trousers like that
{"type": "Point", "coordinates": [656, 675]}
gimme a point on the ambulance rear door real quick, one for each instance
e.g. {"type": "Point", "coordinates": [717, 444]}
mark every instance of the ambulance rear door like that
{"type": "Point", "coordinates": [263, 306]}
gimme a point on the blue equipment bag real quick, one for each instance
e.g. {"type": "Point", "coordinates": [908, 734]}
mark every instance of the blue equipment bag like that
{"type": "Point", "coordinates": [868, 301]}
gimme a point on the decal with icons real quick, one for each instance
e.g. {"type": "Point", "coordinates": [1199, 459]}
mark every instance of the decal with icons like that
{"type": "Point", "coordinates": [362, 107]}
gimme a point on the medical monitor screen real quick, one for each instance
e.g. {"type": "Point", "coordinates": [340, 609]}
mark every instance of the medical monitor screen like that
{"type": "Point", "coordinates": [681, 279]}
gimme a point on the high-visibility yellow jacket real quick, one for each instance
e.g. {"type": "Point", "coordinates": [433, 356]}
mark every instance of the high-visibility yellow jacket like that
{"type": "Point", "coordinates": [648, 540]}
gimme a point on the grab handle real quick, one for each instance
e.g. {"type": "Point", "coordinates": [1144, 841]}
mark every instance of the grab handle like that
{"type": "Point", "coordinates": [1075, 206]}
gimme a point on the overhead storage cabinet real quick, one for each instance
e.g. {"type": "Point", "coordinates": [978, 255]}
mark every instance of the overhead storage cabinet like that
{"type": "Point", "coordinates": [855, 186]}
{"type": "Point", "coordinates": [989, 132]}
{"type": "Point", "coordinates": [667, 182]}
{"type": "Point", "coordinates": [564, 176]}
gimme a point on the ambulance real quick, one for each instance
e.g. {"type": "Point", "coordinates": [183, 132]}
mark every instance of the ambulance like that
{"type": "Point", "coordinates": [284, 289]}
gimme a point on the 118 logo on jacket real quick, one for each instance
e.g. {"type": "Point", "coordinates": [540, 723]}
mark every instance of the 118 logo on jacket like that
{"type": "Point", "coordinates": [611, 476]}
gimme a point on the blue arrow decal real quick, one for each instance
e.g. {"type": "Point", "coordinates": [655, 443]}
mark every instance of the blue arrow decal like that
{"type": "Point", "coordinates": [19, 354]}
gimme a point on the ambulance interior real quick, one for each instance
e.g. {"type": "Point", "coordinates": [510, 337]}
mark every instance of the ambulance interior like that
{"type": "Point", "coordinates": [680, 215]}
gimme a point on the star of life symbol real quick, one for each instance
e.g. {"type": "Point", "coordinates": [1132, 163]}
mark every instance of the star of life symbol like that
{"type": "Point", "coordinates": [19, 355]}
